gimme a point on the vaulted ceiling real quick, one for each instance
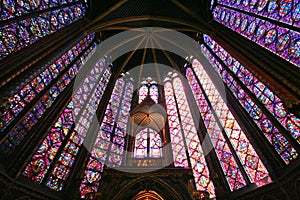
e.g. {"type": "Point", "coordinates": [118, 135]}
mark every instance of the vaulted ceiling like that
{"type": "Point", "coordinates": [108, 18]}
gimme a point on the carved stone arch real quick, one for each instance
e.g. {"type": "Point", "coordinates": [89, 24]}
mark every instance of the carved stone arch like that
{"type": "Point", "coordinates": [125, 183]}
{"type": "Point", "coordinates": [146, 183]}
{"type": "Point", "coordinates": [161, 187]}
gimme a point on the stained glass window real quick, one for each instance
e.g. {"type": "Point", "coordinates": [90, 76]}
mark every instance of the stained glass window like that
{"type": "Point", "coordinates": [225, 132]}
{"type": "Point", "coordinates": [177, 138]}
{"type": "Point", "coordinates": [92, 176]}
{"type": "Point", "coordinates": [13, 8]}
{"type": "Point", "coordinates": [65, 136]}
{"type": "Point", "coordinates": [255, 21]}
{"type": "Point", "coordinates": [18, 35]}
{"type": "Point", "coordinates": [143, 92]}
{"type": "Point", "coordinates": [36, 112]}
{"type": "Point", "coordinates": [184, 134]}
{"type": "Point", "coordinates": [234, 74]}
{"type": "Point", "coordinates": [40, 162]}
{"type": "Point", "coordinates": [61, 132]}
{"type": "Point", "coordinates": [153, 91]}
{"type": "Point", "coordinates": [285, 11]}
{"type": "Point", "coordinates": [148, 144]}
{"type": "Point", "coordinates": [28, 93]}
{"type": "Point", "coordinates": [123, 107]}
{"type": "Point", "coordinates": [66, 159]}
{"type": "Point", "coordinates": [110, 140]}
{"type": "Point", "coordinates": [148, 88]}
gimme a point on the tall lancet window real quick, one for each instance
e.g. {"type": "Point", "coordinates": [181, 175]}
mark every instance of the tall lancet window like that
{"type": "Point", "coordinates": [109, 142]}
{"type": "Point", "coordinates": [183, 134]}
{"type": "Point", "coordinates": [36, 96]}
{"type": "Point", "coordinates": [263, 106]}
{"type": "Point", "coordinates": [52, 162]}
{"type": "Point", "coordinates": [271, 24]}
{"type": "Point", "coordinates": [238, 158]}
{"type": "Point", "coordinates": [29, 21]}
{"type": "Point", "coordinates": [148, 144]}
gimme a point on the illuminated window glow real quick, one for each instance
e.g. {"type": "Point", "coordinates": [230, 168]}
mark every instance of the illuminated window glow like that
{"type": "Point", "coordinates": [263, 94]}
{"type": "Point", "coordinates": [18, 35]}
{"type": "Point", "coordinates": [246, 154]}
{"type": "Point", "coordinates": [148, 144]}
{"type": "Point", "coordinates": [280, 40]}
{"type": "Point", "coordinates": [113, 128]}
{"type": "Point", "coordinates": [186, 132]}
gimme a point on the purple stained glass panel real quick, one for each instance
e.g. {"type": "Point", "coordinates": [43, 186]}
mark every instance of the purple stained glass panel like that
{"type": "Point", "coordinates": [286, 151]}
{"type": "Point", "coordinates": [286, 11]}
{"type": "Point", "coordinates": [36, 112]}
{"type": "Point", "coordinates": [18, 35]}
{"type": "Point", "coordinates": [189, 134]}
{"type": "Point", "coordinates": [279, 40]}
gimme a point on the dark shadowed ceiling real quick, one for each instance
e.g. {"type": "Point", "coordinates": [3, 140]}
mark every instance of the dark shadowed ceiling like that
{"type": "Point", "coordinates": [109, 17]}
